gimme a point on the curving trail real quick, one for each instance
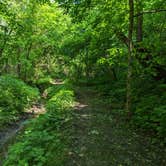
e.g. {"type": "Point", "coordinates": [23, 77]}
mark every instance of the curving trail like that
{"type": "Point", "coordinates": [100, 137]}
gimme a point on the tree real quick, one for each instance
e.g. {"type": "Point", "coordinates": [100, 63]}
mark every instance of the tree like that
{"type": "Point", "coordinates": [31, 34]}
{"type": "Point", "coordinates": [130, 55]}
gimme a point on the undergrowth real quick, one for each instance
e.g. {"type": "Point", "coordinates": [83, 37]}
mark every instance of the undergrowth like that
{"type": "Point", "coordinates": [148, 103]}
{"type": "Point", "coordinates": [15, 97]}
{"type": "Point", "coordinates": [45, 141]}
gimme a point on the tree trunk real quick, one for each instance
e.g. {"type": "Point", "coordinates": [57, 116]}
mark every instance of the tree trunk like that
{"type": "Point", "coordinates": [139, 35]}
{"type": "Point", "coordinates": [130, 53]}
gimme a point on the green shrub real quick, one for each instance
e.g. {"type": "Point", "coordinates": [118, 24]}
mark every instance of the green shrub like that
{"type": "Point", "coordinates": [45, 141]}
{"type": "Point", "coordinates": [61, 101]}
{"type": "Point", "coordinates": [43, 83]}
{"type": "Point", "coordinates": [158, 119]}
{"type": "Point", "coordinates": [15, 96]}
{"type": "Point", "coordinates": [53, 89]}
{"type": "Point", "coordinates": [114, 93]}
{"type": "Point", "coordinates": [149, 109]}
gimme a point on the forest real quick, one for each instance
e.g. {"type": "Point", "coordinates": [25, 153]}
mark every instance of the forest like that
{"type": "Point", "coordinates": [82, 82]}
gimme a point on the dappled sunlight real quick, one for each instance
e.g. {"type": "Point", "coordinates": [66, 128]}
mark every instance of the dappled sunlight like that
{"type": "Point", "coordinates": [57, 82]}
{"type": "Point", "coordinates": [36, 110]}
{"type": "Point", "coordinates": [86, 116]}
{"type": "Point", "coordinates": [82, 83]}
{"type": "Point", "coordinates": [80, 106]}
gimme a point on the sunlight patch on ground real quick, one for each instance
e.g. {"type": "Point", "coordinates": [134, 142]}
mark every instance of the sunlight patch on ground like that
{"type": "Point", "coordinates": [80, 106]}
{"type": "Point", "coordinates": [85, 116]}
{"type": "Point", "coordinates": [36, 110]}
{"type": "Point", "coordinates": [57, 82]}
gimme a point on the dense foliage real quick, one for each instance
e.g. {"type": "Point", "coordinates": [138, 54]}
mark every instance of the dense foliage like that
{"type": "Point", "coordinates": [15, 97]}
{"type": "Point", "coordinates": [103, 53]}
{"type": "Point", "coordinates": [116, 47]}
{"type": "Point", "coordinates": [31, 36]}
{"type": "Point", "coordinates": [44, 142]}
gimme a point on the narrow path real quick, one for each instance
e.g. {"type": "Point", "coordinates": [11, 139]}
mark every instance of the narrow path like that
{"type": "Point", "coordinates": [100, 137]}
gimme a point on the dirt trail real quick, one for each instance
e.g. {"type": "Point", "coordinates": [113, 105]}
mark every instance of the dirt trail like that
{"type": "Point", "coordinates": [100, 137]}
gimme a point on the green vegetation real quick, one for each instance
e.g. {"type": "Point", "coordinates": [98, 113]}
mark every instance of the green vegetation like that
{"type": "Point", "coordinates": [44, 142]}
{"type": "Point", "coordinates": [52, 49]}
{"type": "Point", "coordinates": [149, 110]}
{"type": "Point", "coordinates": [15, 97]}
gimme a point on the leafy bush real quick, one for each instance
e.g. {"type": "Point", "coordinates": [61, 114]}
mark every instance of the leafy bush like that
{"type": "Point", "coordinates": [15, 96]}
{"type": "Point", "coordinates": [158, 118]}
{"type": "Point", "coordinates": [45, 141]}
{"type": "Point", "coordinates": [149, 110]}
{"type": "Point", "coordinates": [53, 89]}
{"type": "Point", "coordinates": [43, 83]}
{"type": "Point", "coordinates": [148, 102]}
{"type": "Point", "coordinates": [114, 93]}
{"type": "Point", "coordinates": [61, 101]}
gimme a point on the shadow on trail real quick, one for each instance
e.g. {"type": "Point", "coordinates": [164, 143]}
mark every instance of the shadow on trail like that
{"type": "Point", "coordinates": [100, 137]}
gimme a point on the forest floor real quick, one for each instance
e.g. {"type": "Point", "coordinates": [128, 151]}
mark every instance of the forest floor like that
{"type": "Point", "coordinates": [102, 137]}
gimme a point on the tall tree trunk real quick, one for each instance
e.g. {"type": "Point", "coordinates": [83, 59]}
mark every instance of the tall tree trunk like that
{"type": "Point", "coordinates": [130, 54]}
{"type": "Point", "coordinates": [139, 32]}
{"type": "Point", "coordinates": [114, 74]}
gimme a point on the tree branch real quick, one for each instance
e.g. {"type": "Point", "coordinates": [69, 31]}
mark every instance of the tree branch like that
{"type": "Point", "coordinates": [150, 12]}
